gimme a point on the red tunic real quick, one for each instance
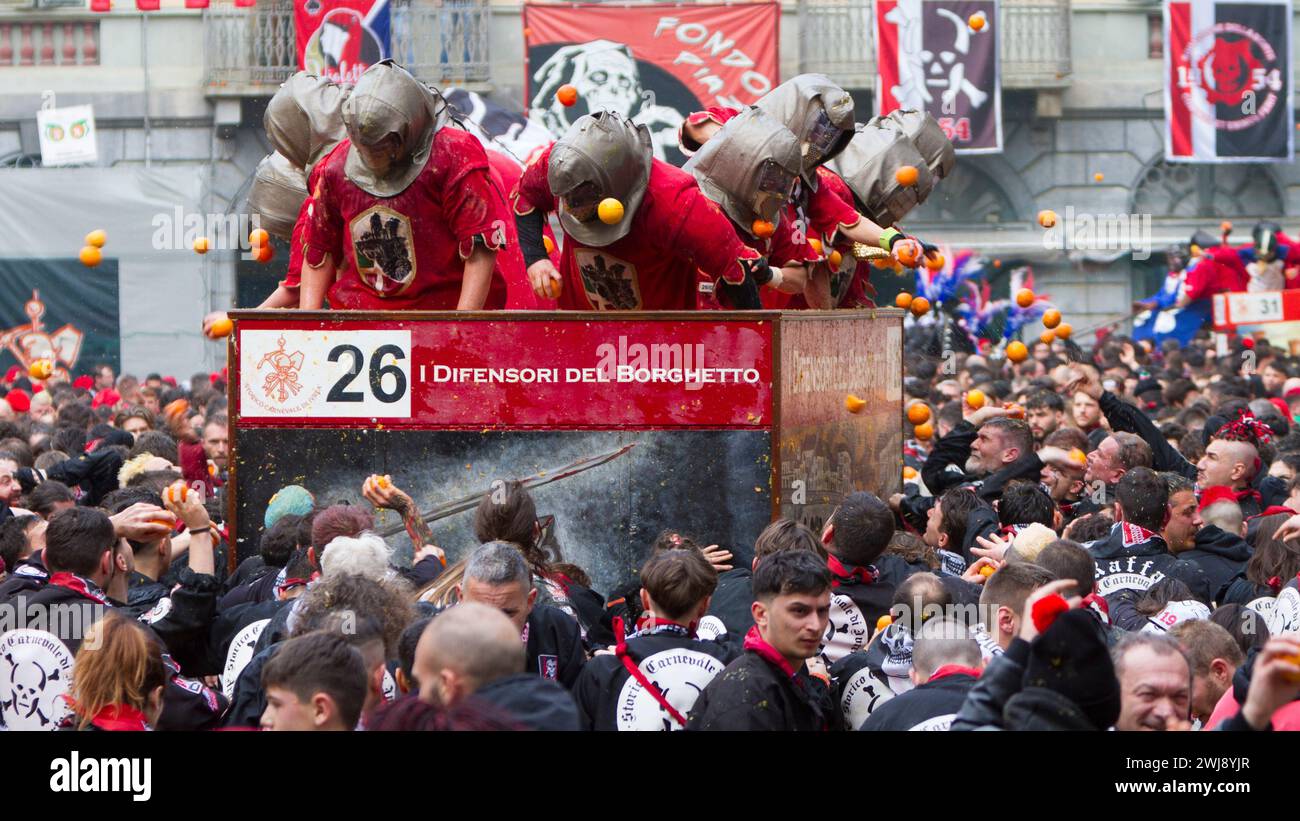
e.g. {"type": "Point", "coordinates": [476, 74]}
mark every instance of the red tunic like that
{"type": "Point", "coordinates": [408, 252]}
{"type": "Point", "coordinates": [1216, 271]}
{"type": "Point", "coordinates": [782, 249]}
{"type": "Point", "coordinates": [510, 261]}
{"type": "Point", "coordinates": [828, 208]}
{"type": "Point", "coordinates": [675, 231]}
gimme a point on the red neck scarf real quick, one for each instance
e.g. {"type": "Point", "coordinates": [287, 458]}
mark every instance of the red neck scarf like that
{"type": "Point", "coordinates": [120, 717]}
{"type": "Point", "coordinates": [768, 653]}
{"type": "Point", "coordinates": [847, 574]}
{"type": "Point", "coordinates": [80, 584]}
{"type": "Point", "coordinates": [953, 670]}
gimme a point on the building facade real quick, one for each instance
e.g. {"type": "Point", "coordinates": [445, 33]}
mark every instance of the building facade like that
{"type": "Point", "coordinates": [181, 92]}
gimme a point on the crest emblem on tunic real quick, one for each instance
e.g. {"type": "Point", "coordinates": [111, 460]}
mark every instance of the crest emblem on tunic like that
{"type": "Point", "coordinates": [384, 250]}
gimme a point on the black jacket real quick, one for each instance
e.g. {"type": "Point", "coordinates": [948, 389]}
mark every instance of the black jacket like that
{"type": "Point", "coordinates": [757, 692]}
{"type": "Point", "coordinates": [732, 603]}
{"type": "Point", "coordinates": [929, 706]}
{"type": "Point", "coordinates": [1220, 555]}
{"type": "Point", "coordinates": [180, 619]}
{"type": "Point", "coordinates": [95, 473]}
{"type": "Point", "coordinates": [554, 648]}
{"type": "Point", "coordinates": [856, 606]}
{"type": "Point", "coordinates": [143, 593]}
{"type": "Point", "coordinates": [248, 701]}
{"type": "Point", "coordinates": [533, 702]}
{"type": "Point", "coordinates": [29, 576]}
{"type": "Point", "coordinates": [1133, 558]}
{"type": "Point", "coordinates": [678, 665]}
{"type": "Point", "coordinates": [1241, 590]}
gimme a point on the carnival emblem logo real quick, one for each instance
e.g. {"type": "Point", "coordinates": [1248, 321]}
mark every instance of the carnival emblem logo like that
{"type": "Point", "coordinates": [283, 378]}
{"type": "Point", "coordinates": [1236, 67]}
{"type": "Point", "coordinates": [30, 342]}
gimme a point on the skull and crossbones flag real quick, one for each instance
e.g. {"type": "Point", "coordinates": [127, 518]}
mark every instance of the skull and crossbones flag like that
{"type": "Point", "coordinates": [340, 39]}
{"type": "Point", "coordinates": [1228, 81]}
{"type": "Point", "coordinates": [941, 56]}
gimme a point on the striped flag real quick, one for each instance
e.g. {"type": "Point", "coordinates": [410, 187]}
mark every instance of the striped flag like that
{"type": "Point", "coordinates": [941, 56]}
{"type": "Point", "coordinates": [1228, 81]}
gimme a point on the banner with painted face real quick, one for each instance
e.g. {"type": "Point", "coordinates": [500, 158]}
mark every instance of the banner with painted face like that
{"type": "Point", "coordinates": [655, 64]}
{"type": "Point", "coordinates": [340, 39]}
{"type": "Point", "coordinates": [941, 57]}
{"type": "Point", "coordinates": [1228, 81]}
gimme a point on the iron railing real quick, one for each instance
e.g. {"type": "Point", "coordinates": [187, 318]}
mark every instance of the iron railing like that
{"type": "Point", "coordinates": [835, 38]}
{"type": "Point", "coordinates": [250, 51]}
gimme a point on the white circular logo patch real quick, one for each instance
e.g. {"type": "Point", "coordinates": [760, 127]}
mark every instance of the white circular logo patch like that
{"type": "Point", "coordinates": [239, 654]}
{"type": "Point", "coordinates": [846, 632]}
{"type": "Point", "coordinates": [679, 675]}
{"type": "Point", "coordinates": [710, 628]}
{"type": "Point", "coordinates": [862, 695]}
{"type": "Point", "coordinates": [159, 611]}
{"type": "Point", "coordinates": [35, 673]}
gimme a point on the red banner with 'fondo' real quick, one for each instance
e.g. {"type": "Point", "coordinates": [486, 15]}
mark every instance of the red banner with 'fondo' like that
{"type": "Point", "coordinates": [655, 63]}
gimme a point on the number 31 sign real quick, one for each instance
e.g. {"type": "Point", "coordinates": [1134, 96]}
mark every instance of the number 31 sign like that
{"type": "Point", "coordinates": [291, 374]}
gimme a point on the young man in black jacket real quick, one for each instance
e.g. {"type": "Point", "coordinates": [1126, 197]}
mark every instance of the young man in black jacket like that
{"type": "Point", "coordinates": [654, 676]}
{"type": "Point", "coordinates": [733, 598]}
{"type": "Point", "coordinates": [496, 574]}
{"type": "Point", "coordinates": [768, 687]}
{"type": "Point", "coordinates": [946, 663]}
{"type": "Point", "coordinates": [1134, 556]}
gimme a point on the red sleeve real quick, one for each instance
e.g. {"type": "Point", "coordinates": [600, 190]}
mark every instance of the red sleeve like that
{"type": "Point", "coordinates": [323, 233]}
{"type": "Point", "coordinates": [293, 277]}
{"type": "Point", "coordinates": [1200, 279]}
{"type": "Point", "coordinates": [706, 237]}
{"type": "Point", "coordinates": [786, 250]}
{"type": "Point", "coordinates": [533, 190]}
{"type": "Point", "coordinates": [827, 211]}
{"type": "Point", "coordinates": [472, 203]}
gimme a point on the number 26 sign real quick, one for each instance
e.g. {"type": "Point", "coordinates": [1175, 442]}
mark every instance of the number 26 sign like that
{"type": "Point", "coordinates": [325, 374]}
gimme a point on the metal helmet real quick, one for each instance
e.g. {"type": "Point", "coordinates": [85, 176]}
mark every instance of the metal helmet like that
{"type": "Point", "coordinates": [1264, 235]}
{"type": "Point", "coordinates": [602, 155]}
{"type": "Point", "coordinates": [819, 113]}
{"type": "Point", "coordinates": [869, 165]}
{"type": "Point", "coordinates": [388, 101]}
{"type": "Point", "coordinates": [304, 120]}
{"type": "Point", "coordinates": [277, 195]}
{"type": "Point", "coordinates": [926, 135]}
{"type": "Point", "coordinates": [749, 167]}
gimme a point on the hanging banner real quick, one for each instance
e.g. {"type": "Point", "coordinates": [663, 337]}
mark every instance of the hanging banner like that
{"type": "Point", "coordinates": [340, 39]}
{"type": "Point", "coordinates": [53, 309]}
{"type": "Point", "coordinates": [941, 56]}
{"type": "Point", "coordinates": [655, 63]}
{"type": "Point", "coordinates": [67, 135]}
{"type": "Point", "coordinates": [1228, 81]}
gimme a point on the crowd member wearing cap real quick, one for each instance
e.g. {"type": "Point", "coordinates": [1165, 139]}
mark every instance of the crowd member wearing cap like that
{"type": "Point", "coordinates": [946, 663]}
{"type": "Point", "coordinates": [651, 680]}
{"type": "Point", "coordinates": [1056, 673]}
{"type": "Point", "coordinates": [1214, 658]}
{"type": "Point", "coordinates": [378, 237]}
{"type": "Point", "coordinates": [471, 654]}
{"type": "Point", "coordinates": [622, 265]}
{"type": "Point", "coordinates": [768, 687]}
{"type": "Point", "coordinates": [497, 575]}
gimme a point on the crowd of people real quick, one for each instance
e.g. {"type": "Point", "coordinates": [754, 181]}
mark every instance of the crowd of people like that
{"type": "Point", "coordinates": [1121, 555]}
